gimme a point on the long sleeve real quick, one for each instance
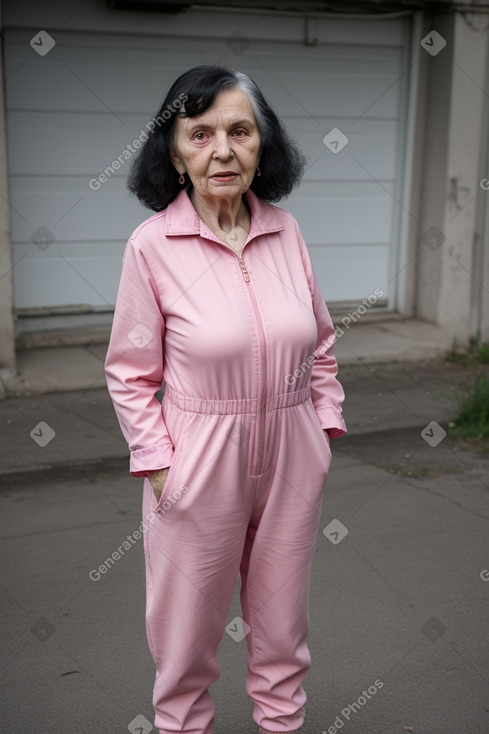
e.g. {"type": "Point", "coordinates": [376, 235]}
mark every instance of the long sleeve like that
{"type": "Point", "coordinates": [326, 391]}
{"type": "Point", "coordinates": [134, 364]}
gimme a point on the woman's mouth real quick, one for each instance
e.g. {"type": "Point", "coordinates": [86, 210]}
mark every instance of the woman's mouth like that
{"type": "Point", "coordinates": [225, 176]}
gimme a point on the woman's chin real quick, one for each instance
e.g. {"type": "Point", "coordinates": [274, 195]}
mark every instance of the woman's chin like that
{"type": "Point", "coordinates": [224, 190]}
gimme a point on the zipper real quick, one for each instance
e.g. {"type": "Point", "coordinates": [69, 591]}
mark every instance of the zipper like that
{"type": "Point", "coordinates": [258, 449]}
{"type": "Point", "coordinates": [242, 265]}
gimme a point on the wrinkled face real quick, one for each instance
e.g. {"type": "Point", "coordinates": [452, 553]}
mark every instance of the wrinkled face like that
{"type": "Point", "coordinates": [219, 149]}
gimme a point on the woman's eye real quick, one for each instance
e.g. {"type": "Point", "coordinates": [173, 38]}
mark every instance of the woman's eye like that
{"type": "Point", "coordinates": [201, 136]}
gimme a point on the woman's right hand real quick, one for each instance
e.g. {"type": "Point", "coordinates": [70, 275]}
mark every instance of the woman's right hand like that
{"type": "Point", "coordinates": [157, 479]}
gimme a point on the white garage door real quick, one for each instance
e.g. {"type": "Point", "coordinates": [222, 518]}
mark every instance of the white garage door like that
{"type": "Point", "coordinates": [71, 112]}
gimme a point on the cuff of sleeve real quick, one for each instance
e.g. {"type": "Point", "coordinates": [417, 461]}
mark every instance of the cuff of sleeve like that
{"type": "Point", "coordinates": [153, 458]}
{"type": "Point", "coordinates": [331, 420]}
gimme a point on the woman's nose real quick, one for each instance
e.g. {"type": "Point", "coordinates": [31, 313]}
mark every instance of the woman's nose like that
{"type": "Point", "coordinates": [222, 146]}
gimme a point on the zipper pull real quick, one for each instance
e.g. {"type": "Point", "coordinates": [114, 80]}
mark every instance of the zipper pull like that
{"type": "Point", "coordinates": [243, 268]}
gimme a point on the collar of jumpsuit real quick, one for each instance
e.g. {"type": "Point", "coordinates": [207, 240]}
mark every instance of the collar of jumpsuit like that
{"type": "Point", "coordinates": [182, 218]}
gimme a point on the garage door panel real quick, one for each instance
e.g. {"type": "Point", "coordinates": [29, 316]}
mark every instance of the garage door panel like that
{"type": "Point", "coordinates": [76, 215]}
{"type": "Point", "coordinates": [94, 84]}
{"type": "Point", "coordinates": [371, 143]}
{"type": "Point", "coordinates": [293, 94]}
{"type": "Point", "coordinates": [97, 86]}
{"type": "Point", "coordinates": [71, 274]}
{"type": "Point", "coordinates": [84, 150]}
{"type": "Point", "coordinates": [49, 86]}
{"type": "Point", "coordinates": [202, 22]}
{"type": "Point", "coordinates": [343, 60]}
{"type": "Point", "coordinates": [347, 214]}
{"type": "Point", "coordinates": [363, 271]}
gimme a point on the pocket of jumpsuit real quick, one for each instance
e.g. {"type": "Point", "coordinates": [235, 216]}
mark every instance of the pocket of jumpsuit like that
{"type": "Point", "coordinates": [326, 445]}
{"type": "Point", "coordinates": [170, 477]}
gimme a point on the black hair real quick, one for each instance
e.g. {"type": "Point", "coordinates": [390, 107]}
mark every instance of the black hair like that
{"type": "Point", "coordinates": [153, 177]}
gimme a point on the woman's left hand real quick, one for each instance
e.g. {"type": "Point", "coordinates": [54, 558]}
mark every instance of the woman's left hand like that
{"type": "Point", "coordinates": [326, 435]}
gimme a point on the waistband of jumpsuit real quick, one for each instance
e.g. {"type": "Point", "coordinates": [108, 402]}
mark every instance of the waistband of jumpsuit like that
{"type": "Point", "coordinates": [233, 407]}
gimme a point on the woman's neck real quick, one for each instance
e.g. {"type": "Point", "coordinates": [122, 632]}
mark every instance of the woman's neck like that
{"type": "Point", "coordinates": [222, 215]}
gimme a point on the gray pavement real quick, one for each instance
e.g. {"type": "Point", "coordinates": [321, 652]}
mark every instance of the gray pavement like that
{"type": "Point", "coordinates": [399, 600]}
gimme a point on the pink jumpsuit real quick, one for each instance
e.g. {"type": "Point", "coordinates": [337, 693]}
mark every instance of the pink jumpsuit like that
{"type": "Point", "coordinates": [243, 345]}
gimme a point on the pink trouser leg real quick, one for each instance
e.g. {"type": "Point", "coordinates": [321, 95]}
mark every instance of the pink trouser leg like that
{"type": "Point", "coordinates": [189, 590]}
{"type": "Point", "coordinates": [276, 570]}
{"type": "Point", "coordinates": [192, 553]}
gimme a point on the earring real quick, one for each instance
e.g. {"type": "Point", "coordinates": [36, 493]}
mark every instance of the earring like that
{"type": "Point", "coordinates": [258, 172]}
{"type": "Point", "coordinates": [181, 179]}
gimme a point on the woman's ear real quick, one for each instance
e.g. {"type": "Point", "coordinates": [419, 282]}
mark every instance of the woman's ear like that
{"type": "Point", "coordinates": [176, 160]}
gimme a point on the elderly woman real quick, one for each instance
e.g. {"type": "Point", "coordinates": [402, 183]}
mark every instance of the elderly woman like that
{"type": "Point", "coordinates": [218, 301]}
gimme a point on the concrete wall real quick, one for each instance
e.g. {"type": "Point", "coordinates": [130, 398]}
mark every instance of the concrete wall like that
{"type": "Point", "coordinates": [480, 300]}
{"type": "Point", "coordinates": [450, 178]}
{"type": "Point", "coordinates": [433, 172]}
{"type": "Point", "coordinates": [483, 294]}
{"type": "Point", "coordinates": [413, 166]}
{"type": "Point", "coordinates": [7, 343]}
